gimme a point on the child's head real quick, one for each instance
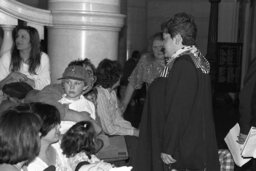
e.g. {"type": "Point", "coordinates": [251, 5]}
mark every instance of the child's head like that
{"type": "Point", "coordinates": [79, 138]}
{"type": "Point", "coordinates": [108, 73]}
{"type": "Point", "coordinates": [75, 79]}
{"type": "Point", "coordinates": [19, 136]}
{"type": "Point", "coordinates": [90, 68]}
{"type": "Point", "coordinates": [16, 91]}
{"type": "Point", "coordinates": [50, 121]}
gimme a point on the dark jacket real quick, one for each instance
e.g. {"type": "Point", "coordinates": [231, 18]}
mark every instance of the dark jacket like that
{"type": "Point", "coordinates": [247, 99]}
{"type": "Point", "coordinates": [177, 120]}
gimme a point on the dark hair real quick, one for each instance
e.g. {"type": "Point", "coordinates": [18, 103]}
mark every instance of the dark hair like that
{"type": "Point", "coordinates": [17, 89]}
{"type": "Point", "coordinates": [136, 55]}
{"type": "Point", "coordinates": [19, 136]}
{"type": "Point", "coordinates": [84, 63]}
{"type": "Point", "coordinates": [183, 24]}
{"type": "Point", "coordinates": [79, 138]}
{"type": "Point", "coordinates": [35, 53]}
{"type": "Point", "coordinates": [49, 114]}
{"type": "Point", "coordinates": [108, 73]}
{"type": "Point", "coordinates": [156, 36]}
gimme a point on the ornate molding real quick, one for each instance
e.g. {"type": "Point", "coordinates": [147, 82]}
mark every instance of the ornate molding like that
{"type": "Point", "coordinates": [88, 20]}
{"type": "Point", "coordinates": [87, 14]}
{"type": "Point", "coordinates": [109, 6]}
{"type": "Point", "coordinates": [24, 12]}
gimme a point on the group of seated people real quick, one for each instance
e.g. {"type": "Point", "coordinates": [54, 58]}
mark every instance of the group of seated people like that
{"type": "Point", "coordinates": [60, 126]}
{"type": "Point", "coordinates": [76, 117]}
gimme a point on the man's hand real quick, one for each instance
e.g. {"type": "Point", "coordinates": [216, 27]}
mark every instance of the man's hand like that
{"type": "Point", "coordinates": [136, 133]}
{"type": "Point", "coordinates": [167, 158]}
{"type": "Point", "coordinates": [241, 138]}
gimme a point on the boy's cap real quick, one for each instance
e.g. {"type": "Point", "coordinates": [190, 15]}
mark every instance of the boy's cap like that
{"type": "Point", "coordinates": [75, 72]}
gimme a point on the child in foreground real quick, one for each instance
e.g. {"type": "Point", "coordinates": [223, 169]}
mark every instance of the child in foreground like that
{"type": "Point", "coordinates": [80, 145]}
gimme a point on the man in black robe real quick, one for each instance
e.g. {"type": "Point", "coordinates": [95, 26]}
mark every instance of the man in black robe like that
{"type": "Point", "coordinates": [177, 129]}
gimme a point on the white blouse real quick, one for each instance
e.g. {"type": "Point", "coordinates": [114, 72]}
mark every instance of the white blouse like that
{"type": "Point", "coordinates": [42, 77]}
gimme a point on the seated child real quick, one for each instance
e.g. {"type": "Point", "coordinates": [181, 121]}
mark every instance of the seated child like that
{"type": "Point", "coordinates": [19, 139]}
{"type": "Point", "coordinates": [108, 110]}
{"type": "Point", "coordinates": [79, 144]}
{"type": "Point", "coordinates": [49, 154]}
{"type": "Point", "coordinates": [53, 94]}
{"type": "Point", "coordinates": [74, 80]}
{"type": "Point", "coordinates": [14, 94]}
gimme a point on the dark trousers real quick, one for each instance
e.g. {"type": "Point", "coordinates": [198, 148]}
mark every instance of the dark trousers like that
{"type": "Point", "coordinates": [131, 143]}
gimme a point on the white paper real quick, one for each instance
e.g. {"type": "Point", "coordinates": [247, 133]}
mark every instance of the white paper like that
{"type": "Point", "coordinates": [249, 149]}
{"type": "Point", "coordinates": [234, 147]}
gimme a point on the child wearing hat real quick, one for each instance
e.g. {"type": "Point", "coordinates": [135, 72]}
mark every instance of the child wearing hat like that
{"type": "Point", "coordinates": [75, 82]}
{"type": "Point", "coordinates": [71, 109]}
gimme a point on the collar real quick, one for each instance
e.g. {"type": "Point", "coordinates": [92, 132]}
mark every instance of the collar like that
{"type": "Point", "coordinates": [65, 100]}
{"type": "Point", "coordinates": [199, 60]}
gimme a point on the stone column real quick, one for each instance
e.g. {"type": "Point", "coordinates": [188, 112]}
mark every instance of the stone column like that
{"type": "Point", "coordinates": [83, 29]}
{"type": "Point", "coordinates": [7, 39]}
{"type": "Point", "coordinates": [7, 23]}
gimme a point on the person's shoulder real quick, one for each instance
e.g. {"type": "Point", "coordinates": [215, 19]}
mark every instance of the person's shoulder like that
{"type": "Point", "coordinates": [184, 63]}
{"type": "Point", "coordinates": [51, 92]}
{"type": "Point", "coordinates": [84, 99]}
{"type": "Point", "coordinates": [37, 164]}
{"type": "Point", "coordinates": [44, 58]}
{"type": "Point", "coordinates": [101, 91]}
{"type": "Point", "coordinates": [6, 104]}
{"type": "Point", "coordinates": [99, 88]}
{"type": "Point", "coordinates": [54, 88]}
{"type": "Point", "coordinates": [184, 60]}
{"type": "Point", "coordinates": [184, 57]}
{"type": "Point", "coordinates": [146, 58]}
{"type": "Point", "coordinates": [6, 167]}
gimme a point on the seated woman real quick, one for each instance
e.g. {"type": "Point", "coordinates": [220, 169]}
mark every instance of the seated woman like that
{"type": "Point", "coordinates": [50, 134]}
{"type": "Point", "coordinates": [19, 139]}
{"type": "Point", "coordinates": [25, 62]}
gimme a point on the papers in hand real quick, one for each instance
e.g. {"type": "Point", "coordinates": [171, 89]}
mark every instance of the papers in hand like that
{"type": "Point", "coordinates": [234, 147]}
{"type": "Point", "coordinates": [249, 149]}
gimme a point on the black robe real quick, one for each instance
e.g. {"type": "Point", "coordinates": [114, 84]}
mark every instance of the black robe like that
{"type": "Point", "coordinates": [177, 120]}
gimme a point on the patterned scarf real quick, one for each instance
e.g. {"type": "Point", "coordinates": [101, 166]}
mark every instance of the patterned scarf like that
{"type": "Point", "coordinates": [199, 60]}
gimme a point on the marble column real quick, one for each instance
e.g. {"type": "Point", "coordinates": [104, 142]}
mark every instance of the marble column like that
{"type": "Point", "coordinates": [7, 39]}
{"type": "Point", "coordinates": [83, 29]}
{"type": "Point", "coordinates": [7, 23]}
